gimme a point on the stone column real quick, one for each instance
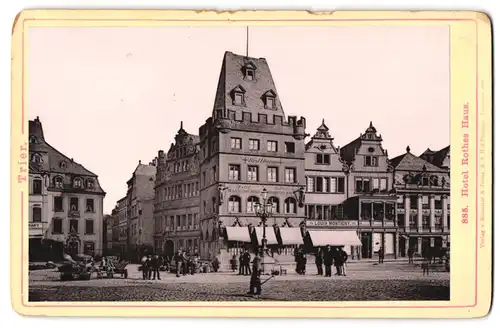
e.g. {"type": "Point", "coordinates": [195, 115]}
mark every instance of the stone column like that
{"type": "Point", "coordinates": [433, 216]}
{"type": "Point", "coordinates": [419, 212]}
{"type": "Point", "coordinates": [444, 202]}
{"type": "Point", "coordinates": [407, 212]}
{"type": "Point", "coordinates": [419, 245]}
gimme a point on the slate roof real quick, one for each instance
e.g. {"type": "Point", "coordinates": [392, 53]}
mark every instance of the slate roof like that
{"type": "Point", "coordinates": [348, 152]}
{"type": "Point", "coordinates": [143, 169]}
{"type": "Point", "coordinates": [232, 76]}
{"type": "Point", "coordinates": [410, 162]}
{"type": "Point", "coordinates": [435, 157]}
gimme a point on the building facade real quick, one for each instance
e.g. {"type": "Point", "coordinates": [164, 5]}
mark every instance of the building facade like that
{"type": "Point", "coordinates": [177, 202]}
{"type": "Point", "coordinates": [121, 212]}
{"type": "Point", "coordinates": [65, 202]}
{"type": "Point", "coordinates": [140, 204]}
{"type": "Point", "coordinates": [245, 146]}
{"type": "Point", "coordinates": [423, 207]}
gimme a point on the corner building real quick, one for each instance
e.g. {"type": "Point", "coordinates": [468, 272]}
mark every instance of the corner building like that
{"type": "Point", "coordinates": [245, 146]}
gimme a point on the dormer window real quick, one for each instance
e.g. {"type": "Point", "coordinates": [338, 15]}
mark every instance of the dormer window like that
{"type": "Point", "coordinates": [249, 71]}
{"type": "Point", "coordinates": [90, 184]}
{"type": "Point", "coordinates": [58, 182]}
{"type": "Point", "coordinates": [62, 165]}
{"type": "Point", "coordinates": [77, 183]}
{"type": "Point", "coordinates": [33, 140]}
{"type": "Point", "coordinates": [36, 158]}
{"type": "Point", "coordinates": [238, 95]}
{"type": "Point", "coordinates": [269, 99]}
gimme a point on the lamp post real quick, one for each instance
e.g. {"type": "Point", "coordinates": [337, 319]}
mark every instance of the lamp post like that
{"type": "Point", "coordinates": [263, 210]}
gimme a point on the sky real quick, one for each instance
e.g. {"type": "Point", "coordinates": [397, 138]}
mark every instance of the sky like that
{"type": "Point", "coordinates": [111, 96]}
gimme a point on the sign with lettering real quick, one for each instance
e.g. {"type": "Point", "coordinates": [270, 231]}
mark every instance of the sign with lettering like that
{"type": "Point", "coordinates": [258, 188]}
{"type": "Point", "coordinates": [35, 225]}
{"type": "Point", "coordinates": [331, 223]}
{"type": "Point", "coordinates": [35, 229]}
{"type": "Point", "coordinates": [261, 160]}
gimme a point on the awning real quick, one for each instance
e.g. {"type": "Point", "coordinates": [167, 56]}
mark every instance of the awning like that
{"type": "Point", "coordinates": [334, 238]}
{"type": "Point", "coordinates": [270, 235]}
{"type": "Point", "coordinates": [240, 234]}
{"type": "Point", "coordinates": [291, 236]}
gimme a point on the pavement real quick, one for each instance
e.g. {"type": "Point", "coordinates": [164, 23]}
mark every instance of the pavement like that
{"type": "Point", "coordinates": [364, 281]}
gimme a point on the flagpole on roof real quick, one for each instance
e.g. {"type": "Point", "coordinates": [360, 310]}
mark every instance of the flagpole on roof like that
{"type": "Point", "coordinates": [247, 42]}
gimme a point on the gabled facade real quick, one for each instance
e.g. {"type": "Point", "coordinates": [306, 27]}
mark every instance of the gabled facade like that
{"type": "Point", "coordinates": [423, 212]}
{"type": "Point", "coordinates": [440, 158]}
{"type": "Point", "coordinates": [245, 146]}
{"type": "Point", "coordinates": [65, 202]}
{"type": "Point", "coordinates": [177, 202]}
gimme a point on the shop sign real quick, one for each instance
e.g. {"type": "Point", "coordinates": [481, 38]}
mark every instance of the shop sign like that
{"type": "Point", "coordinates": [35, 228]}
{"type": "Point", "coordinates": [258, 189]}
{"type": "Point", "coordinates": [331, 223]}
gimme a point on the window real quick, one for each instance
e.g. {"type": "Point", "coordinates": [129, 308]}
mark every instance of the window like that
{"type": "Point", "coordinates": [37, 158]}
{"type": "Point", "coordinates": [378, 211]}
{"type": "Point", "coordinates": [204, 178]}
{"type": "Point", "coordinates": [204, 207]}
{"type": "Point", "coordinates": [272, 146]}
{"type": "Point", "coordinates": [371, 161]}
{"type": "Point", "coordinates": [251, 202]}
{"type": "Point", "coordinates": [249, 74]}
{"type": "Point", "coordinates": [323, 159]}
{"type": "Point", "coordinates": [57, 226]}
{"type": "Point", "coordinates": [234, 172]}
{"type": "Point", "coordinates": [341, 184]}
{"type": "Point", "coordinates": [89, 227]}
{"type": "Point", "coordinates": [253, 173]}
{"type": "Point", "coordinates": [234, 204]}
{"type": "Point", "coordinates": [73, 226]}
{"type": "Point", "coordinates": [379, 184]}
{"type": "Point", "coordinates": [214, 145]}
{"type": "Point", "coordinates": [190, 221]}
{"type": "Point", "coordinates": [270, 102]}
{"type": "Point", "coordinates": [401, 220]}
{"type": "Point", "coordinates": [290, 205]}
{"type": "Point", "coordinates": [275, 204]}
{"type": "Point", "coordinates": [37, 214]}
{"type": "Point", "coordinates": [58, 182]}
{"type": "Point", "coordinates": [290, 175]}
{"type": "Point", "coordinates": [390, 211]}
{"type": "Point", "coordinates": [438, 204]}
{"type": "Point", "coordinates": [254, 144]}
{"type": "Point", "coordinates": [235, 143]}
{"type": "Point", "coordinates": [88, 248]}
{"type": "Point", "coordinates": [77, 183]}
{"type": "Point", "coordinates": [238, 99]}
{"type": "Point", "coordinates": [362, 185]}
{"type": "Point", "coordinates": [413, 201]}
{"type": "Point", "coordinates": [90, 184]}
{"type": "Point", "coordinates": [425, 181]}
{"type": "Point", "coordinates": [58, 204]}
{"type": "Point", "coordinates": [214, 205]}
{"type": "Point", "coordinates": [214, 173]}
{"type": "Point", "coordinates": [90, 205]}
{"type": "Point", "coordinates": [426, 221]}
{"type": "Point", "coordinates": [37, 187]}
{"type": "Point", "coordinates": [272, 174]}
{"type": "Point", "coordinates": [366, 211]}
{"type": "Point", "coordinates": [73, 204]}
{"type": "Point", "coordinates": [290, 147]}
{"type": "Point", "coordinates": [309, 184]}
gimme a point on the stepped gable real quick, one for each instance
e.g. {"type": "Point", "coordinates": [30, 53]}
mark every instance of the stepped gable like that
{"type": "Point", "coordinates": [410, 162]}
{"type": "Point", "coordinates": [323, 137]}
{"type": "Point", "coordinates": [57, 161]}
{"type": "Point", "coordinates": [349, 151]}
{"type": "Point", "coordinates": [233, 78]}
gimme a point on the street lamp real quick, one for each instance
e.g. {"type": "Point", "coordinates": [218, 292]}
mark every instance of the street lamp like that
{"type": "Point", "coordinates": [263, 210]}
{"type": "Point", "coordinates": [299, 196]}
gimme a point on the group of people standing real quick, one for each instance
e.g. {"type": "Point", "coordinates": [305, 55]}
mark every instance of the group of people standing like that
{"type": "Point", "coordinates": [186, 264]}
{"type": "Point", "coordinates": [329, 256]}
{"type": "Point", "coordinates": [151, 265]}
{"type": "Point", "coordinates": [244, 263]}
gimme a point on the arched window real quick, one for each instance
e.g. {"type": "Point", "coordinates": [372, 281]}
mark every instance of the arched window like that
{"type": "Point", "coordinates": [234, 204]}
{"type": "Point", "coordinates": [275, 202]}
{"type": "Point", "coordinates": [90, 184]}
{"type": "Point", "coordinates": [58, 182]}
{"type": "Point", "coordinates": [251, 201]}
{"type": "Point", "coordinates": [37, 158]}
{"type": "Point", "coordinates": [290, 205]}
{"type": "Point", "coordinates": [77, 183]}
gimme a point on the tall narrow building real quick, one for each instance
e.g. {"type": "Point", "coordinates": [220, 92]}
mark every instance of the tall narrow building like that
{"type": "Point", "coordinates": [245, 146]}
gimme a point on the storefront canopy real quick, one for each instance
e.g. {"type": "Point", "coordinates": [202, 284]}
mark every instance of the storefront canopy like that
{"type": "Point", "coordinates": [240, 234]}
{"type": "Point", "coordinates": [334, 238]}
{"type": "Point", "coordinates": [291, 236]}
{"type": "Point", "coordinates": [270, 235]}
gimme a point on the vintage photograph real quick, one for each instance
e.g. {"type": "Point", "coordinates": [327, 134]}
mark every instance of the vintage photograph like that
{"type": "Point", "coordinates": [239, 163]}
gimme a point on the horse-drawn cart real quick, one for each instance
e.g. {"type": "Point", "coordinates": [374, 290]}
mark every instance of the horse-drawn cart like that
{"type": "Point", "coordinates": [112, 265]}
{"type": "Point", "coordinates": [77, 268]}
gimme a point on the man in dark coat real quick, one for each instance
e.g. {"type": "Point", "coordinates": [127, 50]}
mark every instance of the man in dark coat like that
{"type": "Point", "coordinates": [328, 261]}
{"type": "Point", "coordinates": [410, 255]}
{"type": "Point", "coordinates": [319, 261]}
{"type": "Point", "coordinates": [241, 262]}
{"type": "Point", "coordinates": [178, 262]}
{"type": "Point", "coordinates": [156, 263]}
{"type": "Point", "coordinates": [255, 282]}
{"type": "Point", "coordinates": [343, 257]}
{"type": "Point", "coordinates": [246, 263]}
{"type": "Point", "coordinates": [338, 261]}
{"type": "Point", "coordinates": [381, 254]}
{"type": "Point", "coordinates": [145, 268]}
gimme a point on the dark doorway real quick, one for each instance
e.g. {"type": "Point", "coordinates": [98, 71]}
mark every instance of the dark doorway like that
{"type": "Point", "coordinates": [366, 245]}
{"type": "Point", "coordinates": [438, 242]}
{"type": "Point", "coordinates": [402, 247]}
{"type": "Point", "coordinates": [168, 248]}
{"type": "Point", "coordinates": [426, 245]}
{"type": "Point", "coordinates": [73, 248]}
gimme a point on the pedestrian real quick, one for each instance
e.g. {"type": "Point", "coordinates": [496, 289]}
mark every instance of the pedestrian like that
{"type": "Point", "coordinates": [255, 283]}
{"type": "Point", "coordinates": [411, 252]}
{"type": "Point", "coordinates": [425, 266]}
{"type": "Point", "coordinates": [337, 261]}
{"type": "Point", "coordinates": [234, 264]}
{"type": "Point", "coordinates": [241, 262]}
{"type": "Point", "coordinates": [328, 261]}
{"type": "Point", "coordinates": [144, 267]}
{"type": "Point", "coordinates": [178, 262]}
{"type": "Point", "coordinates": [247, 258]}
{"type": "Point", "coordinates": [150, 267]}
{"type": "Point", "coordinates": [319, 261]}
{"type": "Point", "coordinates": [185, 261]}
{"type": "Point", "coordinates": [156, 263]}
{"type": "Point", "coordinates": [381, 255]}
{"type": "Point", "coordinates": [344, 257]}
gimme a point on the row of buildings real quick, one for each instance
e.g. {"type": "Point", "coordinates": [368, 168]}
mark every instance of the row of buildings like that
{"type": "Point", "coordinates": [201, 193]}
{"type": "Point", "coordinates": [207, 184]}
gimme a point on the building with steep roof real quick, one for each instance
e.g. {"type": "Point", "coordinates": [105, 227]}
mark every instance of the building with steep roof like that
{"type": "Point", "coordinates": [65, 202]}
{"type": "Point", "coordinates": [177, 202]}
{"type": "Point", "coordinates": [423, 207]}
{"type": "Point", "coordinates": [246, 145]}
{"type": "Point", "coordinates": [439, 158]}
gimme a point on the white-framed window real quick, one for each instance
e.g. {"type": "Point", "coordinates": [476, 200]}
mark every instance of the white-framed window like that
{"type": "Point", "coordinates": [272, 146]}
{"type": "Point", "coordinates": [362, 185]}
{"type": "Point", "coordinates": [234, 172]}
{"type": "Point", "coordinates": [270, 102]}
{"type": "Point", "coordinates": [251, 201]}
{"type": "Point", "coordinates": [309, 184]}
{"type": "Point", "coordinates": [238, 99]}
{"type": "Point", "coordinates": [290, 176]}
{"type": "Point", "coordinates": [275, 204]}
{"type": "Point", "coordinates": [253, 144]}
{"type": "Point", "coordinates": [253, 173]}
{"type": "Point", "coordinates": [290, 205]}
{"type": "Point", "coordinates": [272, 174]}
{"type": "Point", "coordinates": [234, 204]}
{"type": "Point", "coordinates": [235, 143]}
{"type": "Point", "coordinates": [323, 159]}
{"type": "Point", "coordinates": [371, 161]}
{"type": "Point", "coordinates": [58, 182]}
{"type": "Point", "coordinates": [77, 183]}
